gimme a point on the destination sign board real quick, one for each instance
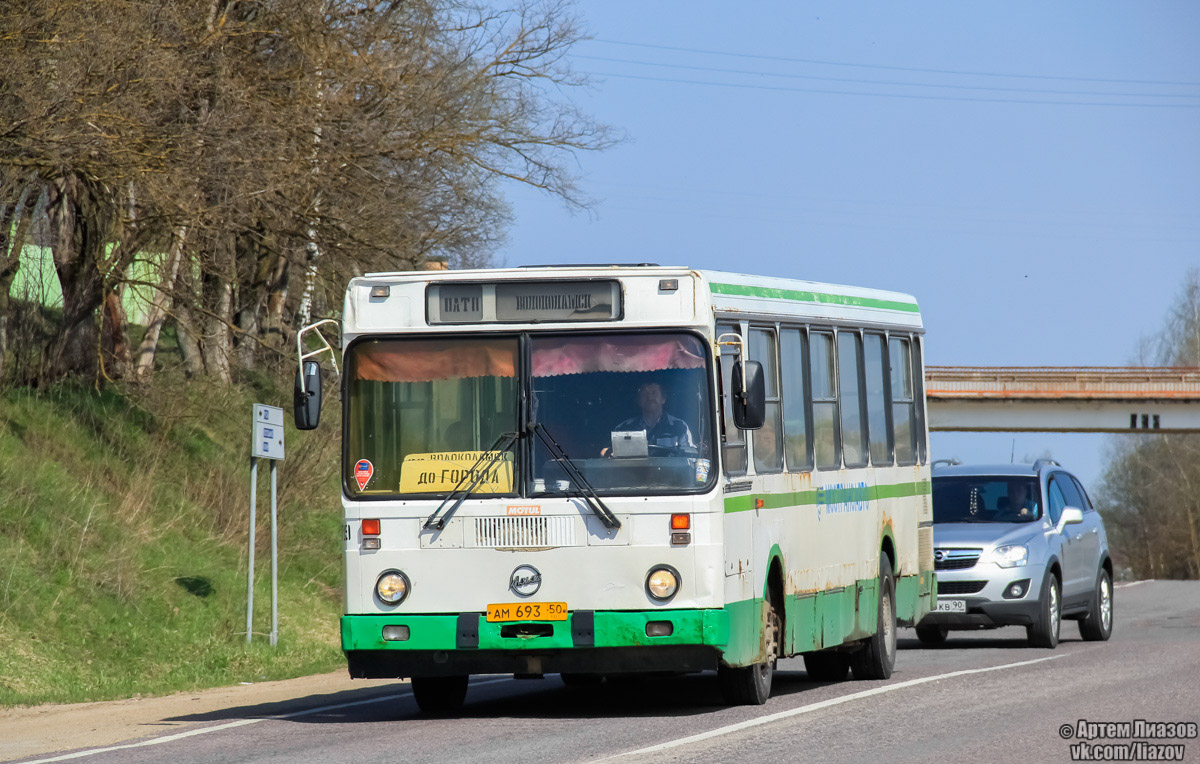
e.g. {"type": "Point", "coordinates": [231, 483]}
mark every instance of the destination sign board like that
{"type": "Point", "coordinates": [523, 302]}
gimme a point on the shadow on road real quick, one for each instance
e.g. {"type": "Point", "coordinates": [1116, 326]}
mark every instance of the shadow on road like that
{"type": "Point", "coordinates": [966, 641]}
{"type": "Point", "coordinates": [544, 698]}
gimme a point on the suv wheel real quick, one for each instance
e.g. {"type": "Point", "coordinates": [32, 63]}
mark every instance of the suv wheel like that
{"type": "Point", "coordinates": [1044, 633]}
{"type": "Point", "coordinates": [1097, 625]}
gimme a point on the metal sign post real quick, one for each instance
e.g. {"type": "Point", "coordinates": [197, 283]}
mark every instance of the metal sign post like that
{"type": "Point", "coordinates": [266, 443]}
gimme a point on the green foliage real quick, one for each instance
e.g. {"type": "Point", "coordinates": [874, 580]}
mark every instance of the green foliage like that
{"type": "Point", "coordinates": [123, 534]}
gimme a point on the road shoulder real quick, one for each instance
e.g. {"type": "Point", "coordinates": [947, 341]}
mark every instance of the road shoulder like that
{"type": "Point", "coordinates": [33, 730]}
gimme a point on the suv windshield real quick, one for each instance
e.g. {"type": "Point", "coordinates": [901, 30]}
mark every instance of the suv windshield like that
{"type": "Point", "coordinates": [966, 499]}
{"type": "Point", "coordinates": [631, 411]}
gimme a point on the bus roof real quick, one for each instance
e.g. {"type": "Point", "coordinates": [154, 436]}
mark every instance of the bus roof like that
{"type": "Point", "coordinates": [724, 293]}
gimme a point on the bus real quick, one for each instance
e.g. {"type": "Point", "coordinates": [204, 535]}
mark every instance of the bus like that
{"type": "Point", "coordinates": [606, 470]}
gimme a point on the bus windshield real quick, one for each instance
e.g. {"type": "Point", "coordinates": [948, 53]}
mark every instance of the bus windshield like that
{"type": "Point", "coordinates": [985, 500]}
{"type": "Point", "coordinates": [630, 411]}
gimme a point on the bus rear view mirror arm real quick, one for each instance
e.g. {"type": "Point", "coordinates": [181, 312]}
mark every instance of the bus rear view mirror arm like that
{"type": "Point", "coordinates": [749, 395]}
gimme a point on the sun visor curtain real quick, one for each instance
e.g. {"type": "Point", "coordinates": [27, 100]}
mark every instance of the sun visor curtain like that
{"type": "Point", "coordinates": [553, 356]}
{"type": "Point", "coordinates": [429, 360]}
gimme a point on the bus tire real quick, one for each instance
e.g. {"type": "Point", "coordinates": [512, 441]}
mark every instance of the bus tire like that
{"type": "Point", "coordinates": [932, 635]}
{"type": "Point", "coordinates": [751, 685]}
{"type": "Point", "coordinates": [877, 658]}
{"type": "Point", "coordinates": [826, 666]}
{"type": "Point", "coordinates": [439, 695]}
{"type": "Point", "coordinates": [1097, 625]}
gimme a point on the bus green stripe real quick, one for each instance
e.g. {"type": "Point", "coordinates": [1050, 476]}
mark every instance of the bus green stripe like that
{"type": "Point", "coordinates": [739, 290]}
{"type": "Point", "coordinates": [830, 496]}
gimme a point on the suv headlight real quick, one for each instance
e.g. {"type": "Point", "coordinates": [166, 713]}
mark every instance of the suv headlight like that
{"type": "Point", "coordinates": [1010, 556]}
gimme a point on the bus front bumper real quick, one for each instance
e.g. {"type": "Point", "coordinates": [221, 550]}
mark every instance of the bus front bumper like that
{"type": "Point", "coordinates": [587, 642]}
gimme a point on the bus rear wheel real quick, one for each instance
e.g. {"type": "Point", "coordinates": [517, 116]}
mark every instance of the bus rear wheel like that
{"type": "Point", "coordinates": [751, 685]}
{"type": "Point", "coordinates": [439, 695]}
{"type": "Point", "coordinates": [826, 666]}
{"type": "Point", "coordinates": [877, 658]}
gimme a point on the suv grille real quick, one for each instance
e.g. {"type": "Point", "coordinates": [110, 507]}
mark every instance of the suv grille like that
{"type": "Point", "coordinates": [960, 587]}
{"type": "Point", "coordinates": [955, 559]}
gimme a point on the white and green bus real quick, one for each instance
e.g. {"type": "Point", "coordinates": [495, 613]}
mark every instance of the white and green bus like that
{"type": "Point", "coordinates": [604, 470]}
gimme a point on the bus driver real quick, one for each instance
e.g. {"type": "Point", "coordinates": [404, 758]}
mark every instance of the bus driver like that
{"type": "Point", "coordinates": [662, 429]}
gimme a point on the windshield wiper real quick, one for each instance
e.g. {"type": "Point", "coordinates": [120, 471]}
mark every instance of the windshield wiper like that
{"type": "Point", "coordinates": [585, 492]}
{"type": "Point", "coordinates": [477, 472]}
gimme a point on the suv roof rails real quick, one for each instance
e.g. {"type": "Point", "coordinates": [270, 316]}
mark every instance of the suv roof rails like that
{"type": "Point", "coordinates": [944, 463]}
{"type": "Point", "coordinates": [1037, 465]}
{"type": "Point", "coordinates": [594, 265]}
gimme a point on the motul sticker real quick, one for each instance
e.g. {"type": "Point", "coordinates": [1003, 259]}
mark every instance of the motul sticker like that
{"type": "Point", "coordinates": [523, 510]}
{"type": "Point", "coordinates": [363, 470]}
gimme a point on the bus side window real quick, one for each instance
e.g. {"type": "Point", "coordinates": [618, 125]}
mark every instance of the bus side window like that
{"type": "Point", "coordinates": [824, 396]}
{"type": "Point", "coordinates": [877, 414]}
{"type": "Point", "coordinates": [919, 394]}
{"type": "Point", "coordinates": [733, 446]}
{"type": "Point", "coordinates": [768, 445]}
{"type": "Point", "coordinates": [797, 433]}
{"type": "Point", "coordinates": [854, 437]}
{"type": "Point", "coordinates": [903, 416]}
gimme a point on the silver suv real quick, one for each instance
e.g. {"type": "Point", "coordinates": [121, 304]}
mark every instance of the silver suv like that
{"type": "Point", "coordinates": [1017, 544]}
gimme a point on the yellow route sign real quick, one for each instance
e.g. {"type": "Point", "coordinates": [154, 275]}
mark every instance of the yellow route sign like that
{"type": "Point", "coordinates": [441, 472]}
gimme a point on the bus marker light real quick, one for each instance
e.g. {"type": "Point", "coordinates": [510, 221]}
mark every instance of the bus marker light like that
{"type": "Point", "coordinates": [681, 522]}
{"type": "Point", "coordinates": [681, 537]}
{"type": "Point", "coordinates": [380, 291]}
{"type": "Point", "coordinates": [370, 527]}
{"type": "Point", "coordinates": [395, 633]}
{"type": "Point", "coordinates": [371, 543]}
{"type": "Point", "coordinates": [660, 629]}
{"type": "Point", "coordinates": [758, 503]}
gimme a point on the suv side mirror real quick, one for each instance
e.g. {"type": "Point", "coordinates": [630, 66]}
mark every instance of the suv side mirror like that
{"type": "Point", "coordinates": [749, 407]}
{"type": "Point", "coordinates": [306, 400]}
{"type": "Point", "coordinates": [1070, 516]}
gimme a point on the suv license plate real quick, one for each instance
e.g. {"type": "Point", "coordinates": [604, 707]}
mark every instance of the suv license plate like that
{"type": "Point", "coordinates": [951, 606]}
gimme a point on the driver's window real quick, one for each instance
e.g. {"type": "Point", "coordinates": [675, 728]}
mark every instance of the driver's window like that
{"type": "Point", "coordinates": [1056, 501]}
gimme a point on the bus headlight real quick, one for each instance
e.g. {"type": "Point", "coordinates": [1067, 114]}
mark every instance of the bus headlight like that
{"type": "Point", "coordinates": [662, 582]}
{"type": "Point", "coordinates": [392, 587]}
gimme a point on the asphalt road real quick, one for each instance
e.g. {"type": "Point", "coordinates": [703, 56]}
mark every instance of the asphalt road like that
{"type": "Point", "coordinates": [983, 697]}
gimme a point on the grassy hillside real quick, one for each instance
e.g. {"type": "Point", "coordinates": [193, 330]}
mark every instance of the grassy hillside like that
{"type": "Point", "coordinates": [123, 533]}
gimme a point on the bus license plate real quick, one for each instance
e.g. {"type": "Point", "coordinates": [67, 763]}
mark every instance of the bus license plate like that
{"type": "Point", "coordinates": [951, 606]}
{"type": "Point", "coordinates": [527, 611]}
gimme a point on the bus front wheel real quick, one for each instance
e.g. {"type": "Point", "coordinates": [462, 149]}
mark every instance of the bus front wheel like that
{"type": "Point", "coordinates": [751, 685]}
{"type": "Point", "coordinates": [439, 695]}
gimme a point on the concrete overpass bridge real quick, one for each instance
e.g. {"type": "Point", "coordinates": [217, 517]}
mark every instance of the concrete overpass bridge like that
{"type": "Point", "coordinates": [1118, 399]}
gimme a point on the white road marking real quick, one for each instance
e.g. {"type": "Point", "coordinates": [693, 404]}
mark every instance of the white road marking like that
{"type": "Point", "coordinates": [818, 706]}
{"type": "Point", "coordinates": [1131, 583]}
{"type": "Point", "coordinates": [240, 723]}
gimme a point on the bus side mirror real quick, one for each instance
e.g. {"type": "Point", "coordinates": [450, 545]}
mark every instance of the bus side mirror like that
{"type": "Point", "coordinates": [749, 407]}
{"type": "Point", "coordinates": [306, 400]}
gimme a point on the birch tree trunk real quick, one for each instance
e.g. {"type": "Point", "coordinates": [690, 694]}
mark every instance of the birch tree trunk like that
{"type": "Point", "coordinates": [159, 304]}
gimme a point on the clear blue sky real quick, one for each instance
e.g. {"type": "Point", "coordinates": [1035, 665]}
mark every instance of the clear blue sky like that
{"type": "Point", "coordinates": [940, 149]}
